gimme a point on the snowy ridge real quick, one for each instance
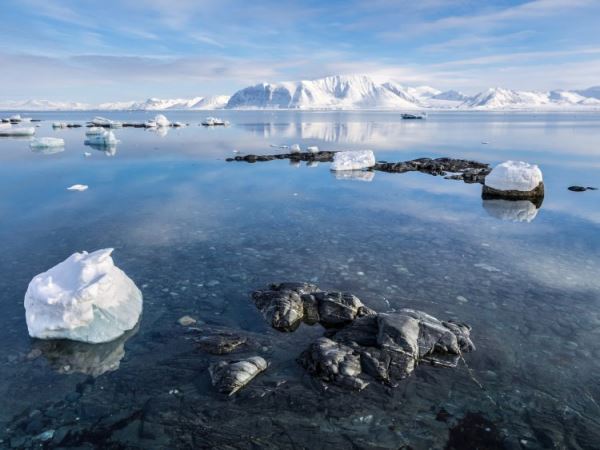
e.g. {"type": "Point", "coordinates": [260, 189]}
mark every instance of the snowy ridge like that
{"type": "Point", "coordinates": [339, 92]}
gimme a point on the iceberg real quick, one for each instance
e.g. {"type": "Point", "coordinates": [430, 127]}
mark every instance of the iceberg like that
{"type": "Point", "coordinates": [353, 160]}
{"type": "Point", "coordinates": [46, 142]}
{"type": "Point", "coordinates": [16, 131]}
{"type": "Point", "coordinates": [106, 139]}
{"type": "Point", "coordinates": [85, 298]}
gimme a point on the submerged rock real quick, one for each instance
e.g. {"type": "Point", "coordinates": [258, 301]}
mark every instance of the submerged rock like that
{"type": "Point", "coordinates": [221, 343]}
{"type": "Point", "coordinates": [230, 376]}
{"type": "Point", "coordinates": [84, 298]}
{"type": "Point", "coordinates": [462, 169]}
{"type": "Point", "coordinates": [387, 346]}
{"type": "Point", "coordinates": [514, 180]}
{"type": "Point", "coordinates": [286, 305]}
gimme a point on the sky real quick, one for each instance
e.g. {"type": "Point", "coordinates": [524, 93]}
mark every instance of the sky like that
{"type": "Point", "coordinates": [90, 51]}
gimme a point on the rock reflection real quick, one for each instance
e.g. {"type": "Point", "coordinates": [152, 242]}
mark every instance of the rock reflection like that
{"type": "Point", "coordinates": [69, 357]}
{"type": "Point", "coordinates": [359, 175]}
{"type": "Point", "coordinates": [511, 210]}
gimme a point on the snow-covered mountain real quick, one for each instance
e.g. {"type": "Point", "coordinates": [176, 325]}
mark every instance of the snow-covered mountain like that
{"type": "Point", "coordinates": [506, 99]}
{"type": "Point", "coordinates": [337, 92]}
{"type": "Point", "coordinates": [344, 93]}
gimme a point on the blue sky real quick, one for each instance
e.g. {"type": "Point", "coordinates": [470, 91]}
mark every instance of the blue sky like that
{"type": "Point", "coordinates": [130, 49]}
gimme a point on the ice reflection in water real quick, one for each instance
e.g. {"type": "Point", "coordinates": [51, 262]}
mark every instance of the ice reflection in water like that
{"type": "Point", "coordinates": [513, 211]}
{"type": "Point", "coordinates": [358, 175]}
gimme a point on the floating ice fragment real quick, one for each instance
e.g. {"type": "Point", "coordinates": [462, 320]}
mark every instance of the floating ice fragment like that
{"type": "Point", "coordinates": [46, 142]}
{"type": "Point", "coordinates": [84, 298]}
{"type": "Point", "coordinates": [78, 187]}
{"type": "Point", "coordinates": [295, 148]}
{"type": "Point", "coordinates": [161, 121]}
{"type": "Point", "coordinates": [16, 131]}
{"type": "Point", "coordinates": [106, 138]}
{"type": "Point", "coordinates": [353, 160]}
{"type": "Point", "coordinates": [312, 149]}
{"type": "Point", "coordinates": [86, 154]}
{"type": "Point", "coordinates": [94, 131]}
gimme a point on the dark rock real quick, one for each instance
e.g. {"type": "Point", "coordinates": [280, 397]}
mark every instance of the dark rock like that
{"type": "Point", "coordinates": [220, 344]}
{"type": "Point", "coordinates": [466, 170]}
{"type": "Point", "coordinates": [476, 432]}
{"type": "Point", "coordinates": [285, 306]}
{"type": "Point", "coordinates": [581, 188]}
{"type": "Point", "coordinates": [230, 376]}
{"type": "Point", "coordinates": [535, 195]}
{"type": "Point", "coordinates": [388, 346]}
{"type": "Point", "coordinates": [323, 156]}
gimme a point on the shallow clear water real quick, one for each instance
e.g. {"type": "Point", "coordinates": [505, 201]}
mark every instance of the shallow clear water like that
{"type": "Point", "coordinates": [198, 234]}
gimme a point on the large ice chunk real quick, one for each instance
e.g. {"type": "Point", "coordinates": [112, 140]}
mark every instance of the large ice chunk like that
{"type": "Point", "coordinates": [105, 138]}
{"type": "Point", "coordinates": [353, 160]}
{"type": "Point", "coordinates": [17, 131]}
{"type": "Point", "coordinates": [46, 142]}
{"type": "Point", "coordinates": [514, 176]}
{"type": "Point", "coordinates": [85, 298]}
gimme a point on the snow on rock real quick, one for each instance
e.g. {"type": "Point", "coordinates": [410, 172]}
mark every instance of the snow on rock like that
{"type": "Point", "coordinates": [514, 176]}
{"type": "Point", "coordinates": [295, 148]}
{"type": "Point", "coordinates": [509, 210]}
{"type": "Point", "coordinates": [353, 160]}
{"type": "Point", "coordinates": [46, 142]}
{"type": "Point", "coordinates": [17, 131]}
{"type": "Point", "coordinates": [105, 139]}
{"type": "Point", "coordinates": [85, 298]}
{"type": "Point", "coordinates": [78, 187]}
{"type": "Point", "coordinates": [312, 149]}
{"type": "Point", "coordinates": [106, 123]}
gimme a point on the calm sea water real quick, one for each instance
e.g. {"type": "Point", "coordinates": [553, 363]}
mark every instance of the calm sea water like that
{"type": "Point", "coordinates": [198, 234]}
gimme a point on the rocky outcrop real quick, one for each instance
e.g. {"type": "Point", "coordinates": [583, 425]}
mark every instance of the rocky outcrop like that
{"type": "Point", "coordinates": [321, 156]}
{"type": "Point", "coordinates": [221, 343]}
{"type": "Point", "coordinates": [230, 376]}
{"type": "Point", "coordinates": [386, 348]}
{"type": "Point", "coordinates": [462, 169]}
{"type": "Point", "coordinates": [286, 305]}
{"type": "Point", "coordinates": [582, 188]}
{"type": "Point", "coordinates": [514, 180]}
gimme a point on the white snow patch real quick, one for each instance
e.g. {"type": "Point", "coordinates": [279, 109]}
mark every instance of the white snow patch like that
{"type": "Point", "coordinates": [514, 176]}
{"type": "Point", "coordinates": [312, 149]}
{"type": "Point", "coordinates": [295, 148]}
{"type": "Point", "coordinates": [353, 160]}
{"type": "Point", "coordinates": [84, 298]}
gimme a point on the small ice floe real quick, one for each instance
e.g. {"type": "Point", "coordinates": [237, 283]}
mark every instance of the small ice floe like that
{"type": "Point", "coordinates": [511, 210]}
{"type": "Point", "coordinates": [85, 298]}
{"type": "Point", "coordinates": [358, 175]}
{"type": "Point", "coordinates": [353, 160]}
{"type": "Point", "coordinates": [514, 180]}
{"type": "Point", "coordinates": [105, 139]}
{"type": "Point", "coordinates": [214, 121]}
{"type": "Point", "coordinates": [78, 187]}
{"type": "Point", "coordinates": [485, 142]}
{"type": "Point", "coordinates": [46, 142]}
{"type": "Point", "coordinates": [295, 148]}
{"type": "Point", "coordinates": [312, 149]}
{"type": "Point", "coordinates": [161, 121]}
{"type": "Point", "coordinates": [17, 131]}
{"type": "Point", "coordinates": [87, 154]}
{"type": "Point", "coordinates": [105, 123]}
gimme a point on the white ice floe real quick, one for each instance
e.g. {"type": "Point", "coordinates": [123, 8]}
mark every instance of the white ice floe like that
{"type": "Point", "coordinates": [353, 160]}
{"type": "Point", "coordinates": [78, 187]}
{"type": "Point", "coordinates": [85, 298]}
{"type": "Point", "coordinates": [46, 142]}
{"type": "Point", "coordinates": [161, 121]}
{"type": "Point", "coordinates": [212, 121]}
{"type": "Point", "coordinates": [510, 210]}
{"type": "Point", "coordinates": [312, 149]}
{"type": "Point", "coordinates": [514, 176]}
{"type": "Point", "coordinates": [106, 123]}
{"type": "Point", "coordinates": [59, 124]}
{"type": "Point", "coordinates": [105, 139]}
{"type": "Point", "coordinates": [86, 154]}
{"type": "Point", "coordinates": [295, 148]}
{"type": "Point", "coordinates": [17, 131]}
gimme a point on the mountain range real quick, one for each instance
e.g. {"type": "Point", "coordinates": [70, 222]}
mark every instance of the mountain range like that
{"type": "Point", "coordinates": [344, 93]}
